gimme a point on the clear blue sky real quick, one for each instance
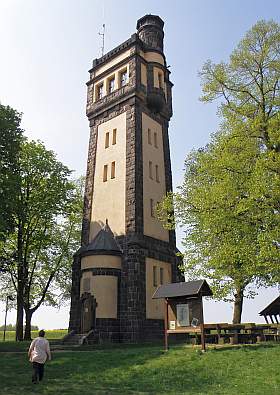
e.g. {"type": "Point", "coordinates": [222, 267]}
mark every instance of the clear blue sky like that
{"type": "Point", "coordinates": [47, 47]}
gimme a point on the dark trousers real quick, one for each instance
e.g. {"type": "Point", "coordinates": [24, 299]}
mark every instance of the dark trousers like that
{"type": "Point", "coordinates": [38, 372]}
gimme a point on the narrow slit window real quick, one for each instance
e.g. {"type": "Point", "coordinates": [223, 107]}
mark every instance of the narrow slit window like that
{"type": "Point", "coordinates": [155, 140]}
{"type": "Point", "coordinates": [152, 207]}
{"type": "Point", "coordinates": [154, 276]}
{"type": "Point", "coordinates": [160, 81]}
{"type": "Point", "coordinates": [149, 137]}
{"type": "Point", "coordinates": [105, 173]}
{"type": "Point", "coordinates": [161, 278]}
{"type": "Point", "coordinates": [157, 174]}
{"type": "Point", "coordinates": [114, 137]}
{"type": "Point", "coordinates": [150, 169]}
{"type": "Point", "coordinates": [107, 139]}
{"type": "Point", "coordinates": [113, 169]}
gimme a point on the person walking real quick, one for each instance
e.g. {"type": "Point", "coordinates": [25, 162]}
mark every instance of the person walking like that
{"type": "Point", "coordinates": [39, 352]}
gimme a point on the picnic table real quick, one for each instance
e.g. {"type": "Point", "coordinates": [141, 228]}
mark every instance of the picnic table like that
{"type": "Point", "coordinates": [221, 333]}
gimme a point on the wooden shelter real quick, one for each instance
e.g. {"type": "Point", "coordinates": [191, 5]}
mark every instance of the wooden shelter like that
{"type": "Point", "coordinates": [183, 307]}
{"type": "Point", "coordinates": [272, 310]}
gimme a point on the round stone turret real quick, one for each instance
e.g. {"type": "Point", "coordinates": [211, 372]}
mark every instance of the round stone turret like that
{"type": "Point", "coordinates": [150, 31]}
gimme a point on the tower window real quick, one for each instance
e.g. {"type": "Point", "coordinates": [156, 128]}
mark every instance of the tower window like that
{"type": "Point", "coordinates": [152, 207]}
{"type": "Point", "coordinates": [105, 173]}
{"type": "Point", "coordinates": [149, 136]}
{"type": "Point", "coordinates": [161, 276]}
{"type": "Point", "coordinates": [111, 85]}
{"type": "Point", "coordinates": [150, 169]}
{"type": "Point", "coordinates": [154, 276]}
{"type": "Point", "coordinates": [114, 137]}
{"type": "Point", "coordinates": [160, 81]}
{"type": "Point", "coordinates": [100, 91]}
{"type": "Point", "coordinates": [113, 169]}
{"type": "Point", "coordinates": [123, 77]}
{"type": "Point", "coordinates": [155, 140]}
{"type": "Point", "coordinates": [157, 174]}
{"type": "Point", "coordinates": [107, 140]}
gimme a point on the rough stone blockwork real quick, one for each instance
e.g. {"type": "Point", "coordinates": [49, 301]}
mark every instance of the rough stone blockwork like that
{"type": "Point", "coordinates": [134, 99]}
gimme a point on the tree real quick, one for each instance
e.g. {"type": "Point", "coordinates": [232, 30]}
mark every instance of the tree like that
{"type": "Point", "coordinates": [230, 198]}
{"type": "Point", "coordinates": [249, 91]}
{"type": "Point", "coordinates": [46, 228]}
{"type": "Point", "coordinates": [248, 85]}
{"type": "Point", "coordinates": [10, 141]}
{"type": "Point", "coordinates": [248, 88]}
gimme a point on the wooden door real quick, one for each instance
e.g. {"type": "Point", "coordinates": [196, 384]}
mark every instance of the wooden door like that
{"type": "Point", "coordinates": [88, 312]}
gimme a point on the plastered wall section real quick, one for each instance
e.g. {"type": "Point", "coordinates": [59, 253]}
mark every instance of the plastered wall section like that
{"type": "Point", "coordinates": [112, 63]}
{"type": "Point", "coordinates": [152, 57]}
{"type": "Point", "coordinates": [101, 261]}
{"type": "Point", "coordinates": [155, 307]}
{"type": "Point", "coordinates": [105, 291]}
{"type": "Point", "coordinates": [108, 200]}
{"type": "Point", "coordinates": [87, 275]}
{"type": "Point", "coordinates": [153, 189]}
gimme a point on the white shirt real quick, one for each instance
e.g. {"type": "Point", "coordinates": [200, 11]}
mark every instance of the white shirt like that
{"type": "Point", "coordinates": [39, 350]}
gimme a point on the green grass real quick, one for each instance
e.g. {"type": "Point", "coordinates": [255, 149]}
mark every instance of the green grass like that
{"type": "Point", "coordinates": [149, 370]}
{"type": "Point", "coordinates": [50, 334]}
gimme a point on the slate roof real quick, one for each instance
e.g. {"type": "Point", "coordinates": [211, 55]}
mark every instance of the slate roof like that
{"type": "Point", "coordinates": [190, 288]}
{"type": "Point", "coordinates": [104, 243]}
{"type": "Point", "coordinates": [273, 308]}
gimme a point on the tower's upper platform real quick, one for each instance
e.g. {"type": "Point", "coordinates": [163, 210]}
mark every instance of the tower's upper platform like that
{"type": "Point", "coordinates": [149, 37]}
{"type": "Point", "coordinates": [135, 68]}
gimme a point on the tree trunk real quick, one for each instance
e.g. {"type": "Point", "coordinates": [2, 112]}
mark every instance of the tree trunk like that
{"type": "Point", "coordinates": [238, 305]}
{"type": "Point", "coordinates": [19, 322]}
{"type": "Point", "coordinates": [20, 286]}
{"type": "Point", "coordinates": [28, 317]}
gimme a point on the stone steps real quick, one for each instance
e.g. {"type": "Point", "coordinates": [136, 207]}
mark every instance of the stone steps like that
{"type": "Point", "coordinates": [80, 338]}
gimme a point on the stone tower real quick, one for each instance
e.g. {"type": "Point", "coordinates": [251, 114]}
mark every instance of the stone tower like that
{"type": "Point", "coordinates": [126, 254]}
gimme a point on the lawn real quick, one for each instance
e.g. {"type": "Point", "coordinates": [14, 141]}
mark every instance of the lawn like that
{"type": "Point", "coordinates": [149, 370]}
{"type": "Point", "coordinates": [50, 334]}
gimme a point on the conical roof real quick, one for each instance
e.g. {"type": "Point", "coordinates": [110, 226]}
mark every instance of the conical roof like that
{"type": "Point", "coordinates": [104, 243]}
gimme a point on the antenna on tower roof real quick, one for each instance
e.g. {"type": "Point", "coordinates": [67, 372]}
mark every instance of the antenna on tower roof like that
{"type": "Point", "coordinates": [103, 39]}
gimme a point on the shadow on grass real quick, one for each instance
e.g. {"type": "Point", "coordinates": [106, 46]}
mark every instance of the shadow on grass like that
{"type": "Point", "coordinates": [148, 370]}
{"type": "Point", "coordinates": [130, 371]}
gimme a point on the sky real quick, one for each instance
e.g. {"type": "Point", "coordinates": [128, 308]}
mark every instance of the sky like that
{"type": "Point", "coordinates": [47, 48]}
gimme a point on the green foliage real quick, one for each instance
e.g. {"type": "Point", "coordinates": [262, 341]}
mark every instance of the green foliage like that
{"type": "Point", "coordinates": [149, 370]}
{"type": "Point", "coordinates": [229, 202]}
{"type": "Point", "coordinates": [47, 231]}
{"type": "Point", "coordinates": [249, 87]}
{"type": "Point", "coordinates": [10, 140]}
{"type": "Point", "coordinates": [218, 206]}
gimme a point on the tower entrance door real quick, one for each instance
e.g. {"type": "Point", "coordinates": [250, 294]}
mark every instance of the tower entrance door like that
{"type": "Point", "coordinates": [88, 312]}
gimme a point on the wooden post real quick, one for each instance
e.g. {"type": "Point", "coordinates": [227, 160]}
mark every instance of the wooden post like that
{"type": "Point", "coordinates": [202, 325]}
{"type": "Point", "coordinates": [166, 325]}
{"type": "Point", "coordinates": [266, 320]}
